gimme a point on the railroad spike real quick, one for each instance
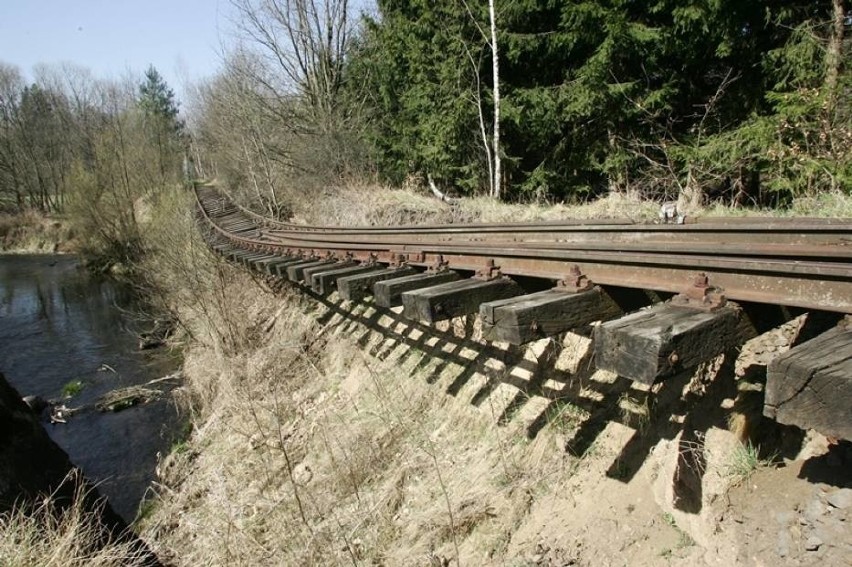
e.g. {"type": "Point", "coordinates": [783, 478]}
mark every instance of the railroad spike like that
{"type": "Point", "coordinates": [439, 265]}
{"type": "Point", "coordinates": [491, 271]}
{"type": "Point", "coordinates": [701, 295]}
{"type": "Point", "coordinates": [575, 281]}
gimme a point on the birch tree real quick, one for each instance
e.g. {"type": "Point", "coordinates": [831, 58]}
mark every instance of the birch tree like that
{"type": "Point", "coordinates": [495, 64]}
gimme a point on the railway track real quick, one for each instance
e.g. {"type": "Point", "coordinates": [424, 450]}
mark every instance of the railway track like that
{"type": "Point", "coordinates": [530, 280]}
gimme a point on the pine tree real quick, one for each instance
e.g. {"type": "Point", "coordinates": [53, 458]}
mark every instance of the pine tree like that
{"type": "Point", "coordinates": [162, 124]}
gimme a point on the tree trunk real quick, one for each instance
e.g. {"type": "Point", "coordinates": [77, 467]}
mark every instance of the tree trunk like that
{"type": "Point", "coordinates": [833, 54]}
{"type": "Point", "coordinates": [497, 185]}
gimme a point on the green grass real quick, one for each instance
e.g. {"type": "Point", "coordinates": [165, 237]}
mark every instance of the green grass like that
{"type": "Point", "coordinates": [180, 444]}
{"type": "Point", "coordinates": [745, 460]}
{"type": "Point", "coordinates": [684, 539]}
{"type": "Point", "coordinates": [72, 388]}
{"type": "Point", "coordinates": [565, 416]}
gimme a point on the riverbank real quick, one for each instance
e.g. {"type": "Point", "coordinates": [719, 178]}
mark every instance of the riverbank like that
{"type": "Point", "coordinates": [31, 232]}
{"type": "Point", "coordinates": [71, 338]}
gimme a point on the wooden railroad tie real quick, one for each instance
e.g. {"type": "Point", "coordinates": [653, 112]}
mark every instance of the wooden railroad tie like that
{"type": "Point", "coordinates": [280, 270]}
{"type": "Point", "coordinates": [295, 273]}
{"type": "Point", "coordinates": [810, 385]}
{"type": "Point", "coordinates": [526, 318]}
{"type": "Point", "coordinates": [274, 268]}
{"type": "Point", "coordinates": [665, 339]}
{"type": "Point", "coordinates": [259, 263]}
{"type": "Point", "coordinates": [388, 293]}
{"type": "Point", "coordinates": [309, 273]}
{"type": "Point", "coordinates": [357, 287]}
{"type": "Point", "coordinates": [326, 282]}
{"type": "Point", "coordinates": [263, 265]}
{"type": "Point", "coordinates": [453, 299]}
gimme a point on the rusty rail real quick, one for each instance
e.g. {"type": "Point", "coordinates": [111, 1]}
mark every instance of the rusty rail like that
{"type": "Point", "coordinates": [797, 262]}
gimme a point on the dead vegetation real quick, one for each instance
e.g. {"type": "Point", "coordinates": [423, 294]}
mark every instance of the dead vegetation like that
{"type": "Point", "coordinates": [33, 232]}
{"type": "Point", "coordinates": [369, 205]}
{"type": "Point", "coordinates": [69, 536]}
{"type": "Point", "coordinates": [327, 433]}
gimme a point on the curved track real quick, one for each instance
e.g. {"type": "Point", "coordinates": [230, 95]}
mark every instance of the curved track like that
{"type": "Point", "coordinates": [796, 262]}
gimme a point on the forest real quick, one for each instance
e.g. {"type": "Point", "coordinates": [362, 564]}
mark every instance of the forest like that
{"type": "Point", "coordinates": [746, 101]}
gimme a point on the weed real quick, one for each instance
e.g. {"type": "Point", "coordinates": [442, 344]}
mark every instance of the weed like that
{"type": "Point", "coordinates": [180, 447]}
{"type": "Point", "coordinates": [635, 412]}
{"type": "Point", "coordinates": [69, 534]}
{"type": "Point", "coordinates": [684, 539]}
{"type": "Point", "coordinates": [72, 388]}
{"type": "Point", "coordinates": [146, 509]}
{"type": "Point", "coordinates": [565, 416]}
{"type": "Point", "coordinates": [745, 460]}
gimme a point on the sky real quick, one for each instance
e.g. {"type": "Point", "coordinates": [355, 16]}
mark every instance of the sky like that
{"type": "Point", "coordinates": [181, 38]}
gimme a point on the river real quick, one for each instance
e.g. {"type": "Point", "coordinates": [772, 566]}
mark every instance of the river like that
{"type": "Point", "coordinates": [58, 324]}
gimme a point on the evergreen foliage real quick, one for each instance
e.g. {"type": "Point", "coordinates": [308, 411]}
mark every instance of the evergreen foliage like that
{"type": "Point", "coordinates": [667, 97]}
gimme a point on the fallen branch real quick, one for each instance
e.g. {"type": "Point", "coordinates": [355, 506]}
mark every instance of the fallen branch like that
{"type": "Point", "coordinates": [124, 398]}
{"type": "Point", "coordinates": [437, 192]}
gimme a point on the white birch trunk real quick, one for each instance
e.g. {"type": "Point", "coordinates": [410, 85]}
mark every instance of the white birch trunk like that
{"type": "Point", "coordinates": [496, 186]}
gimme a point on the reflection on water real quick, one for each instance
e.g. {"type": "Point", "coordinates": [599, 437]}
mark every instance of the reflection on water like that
{"type": "Point", "coordinates": [57, 324]}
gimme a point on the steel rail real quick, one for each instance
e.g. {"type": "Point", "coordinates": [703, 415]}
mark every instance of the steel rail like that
{"type": "Point", "coordinates": [794, 239]}
{"type": "Point", "coordinates": [698, 225]}
{"type": "Point", "coordinates": [813, 276]}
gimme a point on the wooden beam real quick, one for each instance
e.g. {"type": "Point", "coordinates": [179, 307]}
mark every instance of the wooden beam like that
{"type": "Point", "coordinates": [263, 265]}
{"type": "Point", "coordinates": [268, 266]}
{"type": "Point", "coordinates": [258, 263]}
{"type": "Point", "coordinates": [324, 282]}
{"type": "Point", "coordinates": [664, 340]}
{"type": "Point", "coordinates": [248, 257]}
{"type": "Point", "coordinates": [388, 293]}
{"type": "Point", "coordinates": [356, 288]}
{"type": "Point", "coordinates": [308, 273]}
{"type": "Point", "coordinates": [810, 385]}
{"type": "Point", "coordinates": [237, 255]}
{"type": "Point", "coordinates": [526, 318]}
{"type": "Point", "coordinates": [280, 270]}
{"type": "Point", "coordinates": [294, 272]}
{"type": "Point", "coordinates": [453, 299]}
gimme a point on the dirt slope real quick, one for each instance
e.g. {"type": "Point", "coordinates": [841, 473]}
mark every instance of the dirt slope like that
{"type": "Point", "coordinates": [329, 433]}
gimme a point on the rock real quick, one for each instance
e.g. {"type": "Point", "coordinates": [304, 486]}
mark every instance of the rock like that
{"type": "Point", "coordinates": [302, 474]}
{"type": "Point", "coordinates": [784, 518]}
{"type": "Point", "coordinates": [783, 546]}
{"type": "Point", "coordinates": [840, 498]}
{"type": "Point", "coordinates": [35, 403]}
{"type": "Point", "coordinates": [814, 510]}
{"type": "Point", "coordinates": [148, 343]}
{"type": "Point", "coordinates": [813, 543]}
{"type": "Point", "coordinates": [32, 465]}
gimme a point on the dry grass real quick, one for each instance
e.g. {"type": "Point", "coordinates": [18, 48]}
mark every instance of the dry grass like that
{"type": "Point", "coordinates": [33, 232]}
{"type": "Point", "coordinates": [307, 450]}
{"type": "Point", "coordinates": [370, 205]}
{"type": "Point", "coordinates": [313, 453]}
{"type": "Point", "coordinates": [51, 537]}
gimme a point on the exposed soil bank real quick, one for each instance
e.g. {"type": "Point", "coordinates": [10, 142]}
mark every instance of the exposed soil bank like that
{"type": "Point", "coordinates": [34, 233]}
{"type": "Point", "coordinates": [33, 467]}
{"type": "Point", "coordinates": [331, 433]}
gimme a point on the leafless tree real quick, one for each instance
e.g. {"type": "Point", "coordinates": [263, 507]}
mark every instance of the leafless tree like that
{"type": "Point", "coordinates": [303, 45]}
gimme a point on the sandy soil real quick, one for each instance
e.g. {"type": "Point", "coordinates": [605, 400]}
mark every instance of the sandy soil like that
{"type": "Point", "coordinates": [338, 434]}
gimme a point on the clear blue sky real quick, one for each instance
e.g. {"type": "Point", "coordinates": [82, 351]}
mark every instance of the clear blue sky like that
{"type": "Point", "coordinates": [181, 38]}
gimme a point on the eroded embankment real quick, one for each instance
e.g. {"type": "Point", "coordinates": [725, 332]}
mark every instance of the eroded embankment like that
{"type": "Point", "coordinates": [32, 232]}
{"type": "Point", "coordinates": [330, 433]}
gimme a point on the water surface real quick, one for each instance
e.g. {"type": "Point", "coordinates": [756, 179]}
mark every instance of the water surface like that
{"type": "Point", "coordinates": [59, 324]}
